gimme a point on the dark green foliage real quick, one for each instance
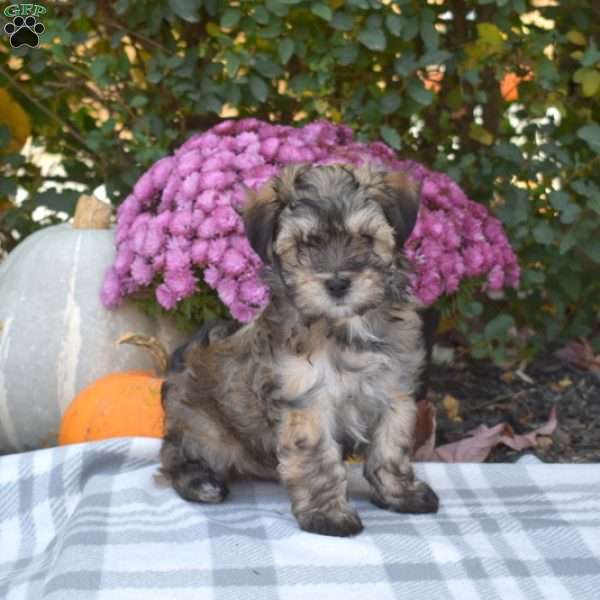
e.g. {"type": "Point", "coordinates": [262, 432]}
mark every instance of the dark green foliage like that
{"type": "Point", "coordinates": [116, 85]}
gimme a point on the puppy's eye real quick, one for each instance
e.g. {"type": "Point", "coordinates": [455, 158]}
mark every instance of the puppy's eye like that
{"type": "Point", "coordinates": [368, 238]}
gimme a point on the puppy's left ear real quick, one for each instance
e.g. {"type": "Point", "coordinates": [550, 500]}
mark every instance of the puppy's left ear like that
{"type": "Point", "coordinates": [260, 213]}
{"type": "Point", "coordinates": [399, 199]}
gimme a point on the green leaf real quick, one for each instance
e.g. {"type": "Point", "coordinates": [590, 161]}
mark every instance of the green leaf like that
{"type": "Point", "coordinates": [543, 233]}
{"type": "Point", "coordinates": [267, 67]}
{"type": "Point", "coordinates": [8, 187]}
{"type": "Point", "coordinates": [490, 34]}
{"type": "Point", "coordinates": [99, 66]}
{"type": "Point", "coordinates": [568, 240]}
{"type": "Point", "coordinates": [60, 201]}
{"type": "Point", "coordinates": [479, 351]}
{"type": "Point", "coordinates": [121, 6]}
{"type": "Point", "coordinates": [321, 10]}
{"type": "Point", "coordinates": [405, 65]}
{"type": "Point", "coordinates": [4, 135]}
{"type": "Point", "coordinates": [139, 101]}
{"type": "Point", "coordinates": [591, 83]}
{"type": "Point", "coordinates": [261, 15]}
{"type": "Point", "coordinates": [590, 134]}
{"type": "Point", "coordinates": [391, 137]}
{"type": "Point", "coordinates": [342, 21]}
{"type": "Point", "coordinates": [532, 278]}
{"type": "Point", "coordinates": [259, 89]}
{"type": "Point", "coordinates": [570, 282]}
{"type": "Point", "coordinates": [593, 203]}
{"type": "Point", "coordinates": [374, 21]}
{"type": "Point", "coordinates": [418, 93]}
{"type": "Point", "coordinates": [435, 57]}
{"type": "Point", "coordinates": [470, 309]}
{"type": "Point", "coordinates": [498, 327]}
{"type": "Point", "coordinates": [429, 35]}
{"type": "Point", "coordinates": [394, 24]}
{"type": "Point", "coordinates": [515, 209]}
{"type": "Point", "coordinates": [346, 55]}
{"type": "Point", "coordinates": [277, 8]}
{"type": "Point", "coordinates": [186, 9]}
{"type": "Point", "coordinates": [410, 29]}
{"type": "Point", "coordinates": [285, 50]}
{"type": "Point", "coordinates": [232, 63]}
{"type": "Point", "coordinates": [589, 79]}
{"type": "Point", "coordinates": [480, 134]}
{"type": "Point", "coordinates": [576, 37]}
{"type": "Point", "coordinates": [300, 83]}
{"type": "Point", "coordinates": [591, 55]}
{"type": "Point", "coordinates": [509, 152]}
{"type": "Point", "coordinates": [570, 214]}
{"type": "Point", "coordinates": [547, 73]}
{"type": "Point", "coordinates": [559, 200]}
{"type": "Point", "coordinates": [272, 30]}
{"type": "Point", "coordinates": [373, 39]}
{"type": "Point", "coordinates": [592, 249]}
{"type": "Point", "coordinates": [390, 102]}
{"type": "Point", "coordinates": [231, 17]}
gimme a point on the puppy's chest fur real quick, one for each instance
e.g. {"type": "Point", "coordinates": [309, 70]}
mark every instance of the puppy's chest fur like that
{"type": "Point", "coordinates": [346, 371]}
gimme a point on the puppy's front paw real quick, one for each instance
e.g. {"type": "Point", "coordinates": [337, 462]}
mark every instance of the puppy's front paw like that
{"type": "Point", "coordinates": [416, 498]}
{"type": "Point", "coordinates": [340, 523]}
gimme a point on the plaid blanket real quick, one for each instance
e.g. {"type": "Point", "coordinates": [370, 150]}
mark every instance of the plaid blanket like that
{"type": "Point", "coordinates": [90, 522]}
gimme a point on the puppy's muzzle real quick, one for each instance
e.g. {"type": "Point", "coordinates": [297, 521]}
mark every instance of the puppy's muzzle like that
{"type": "Point", "coordinates": [338, 286]}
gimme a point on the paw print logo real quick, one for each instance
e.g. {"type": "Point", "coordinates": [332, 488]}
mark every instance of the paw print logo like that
{"type": "Point", "coordinates": [24, 32]}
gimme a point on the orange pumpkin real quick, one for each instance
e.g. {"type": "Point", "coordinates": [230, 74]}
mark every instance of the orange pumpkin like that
{"type": "Point", "coordinates": [119, 404]}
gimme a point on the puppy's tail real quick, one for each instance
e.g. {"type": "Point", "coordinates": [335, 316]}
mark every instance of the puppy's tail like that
{"type": "Point", "coordinates": [210, 332]}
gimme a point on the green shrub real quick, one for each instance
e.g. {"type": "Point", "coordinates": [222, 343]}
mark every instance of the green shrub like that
{"type": "Point", "coordinates": [114, 86]}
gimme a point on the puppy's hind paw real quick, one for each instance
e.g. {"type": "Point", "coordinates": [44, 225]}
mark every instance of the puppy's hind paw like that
{"type": "Point", "coordinates": [202, 490]}
{"type": "Point", "coordinates": [340, 523]}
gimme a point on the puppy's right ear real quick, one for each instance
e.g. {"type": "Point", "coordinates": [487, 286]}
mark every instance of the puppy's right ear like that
{"type": "Point", "coordinates": [260, 214]}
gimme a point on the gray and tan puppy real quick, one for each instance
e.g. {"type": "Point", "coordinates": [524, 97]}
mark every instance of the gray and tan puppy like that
{"type": "Point", "coordinates": [329, 365]}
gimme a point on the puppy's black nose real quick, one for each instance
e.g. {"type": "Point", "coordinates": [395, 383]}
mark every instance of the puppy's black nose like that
{"type": "Point", "coordinates": [337, 286]}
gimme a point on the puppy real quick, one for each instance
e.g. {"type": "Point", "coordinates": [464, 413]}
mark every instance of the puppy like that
{"type": "Point", "coordinates": [329, 365]}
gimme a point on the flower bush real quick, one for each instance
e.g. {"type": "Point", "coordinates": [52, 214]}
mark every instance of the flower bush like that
{"type": "Point", "coordinates": [181, 220]}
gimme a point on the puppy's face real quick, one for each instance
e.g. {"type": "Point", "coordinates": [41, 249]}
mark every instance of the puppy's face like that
{"type": "Point", "coordinates": [331, 234]}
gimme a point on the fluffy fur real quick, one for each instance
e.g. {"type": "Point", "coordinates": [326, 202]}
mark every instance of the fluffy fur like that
{"type": "Point", "coordinates": [330, 364]}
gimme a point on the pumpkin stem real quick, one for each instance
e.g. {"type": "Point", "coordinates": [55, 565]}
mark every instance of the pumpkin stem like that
{"type": "Point", "coordinates": [91, 213]}
{"type": "Point", "coordinates": [160, 355]}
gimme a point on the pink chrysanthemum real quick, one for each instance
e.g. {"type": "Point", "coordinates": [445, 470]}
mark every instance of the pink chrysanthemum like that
{"type": "Point", "coordinates": [182, 216]}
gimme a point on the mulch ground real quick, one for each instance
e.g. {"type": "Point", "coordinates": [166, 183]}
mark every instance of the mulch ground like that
{"type": "Point", "coordinates": [486, 394]}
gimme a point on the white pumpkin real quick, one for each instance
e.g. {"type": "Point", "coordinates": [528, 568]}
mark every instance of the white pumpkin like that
{"type": "Point", "coordinates": [55, 336]}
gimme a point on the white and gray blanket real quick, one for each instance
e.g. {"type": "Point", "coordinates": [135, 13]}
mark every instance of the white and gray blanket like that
{"type": "Point", "coordinates": [90, 522]}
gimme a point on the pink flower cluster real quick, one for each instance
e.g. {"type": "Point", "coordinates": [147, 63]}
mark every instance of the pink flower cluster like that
{"type": "Point", "coordinates": [455, 238]}
{"type": "Point", "coordinates": [182, 217]}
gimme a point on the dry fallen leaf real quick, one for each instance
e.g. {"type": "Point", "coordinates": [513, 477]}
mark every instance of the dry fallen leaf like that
{"type": "Point", "coordinates": [452, 407]}
{"type": "Point", "coordinates": [565, 382]}
{"type": "Point", "coordinates": [480, 441]}
{"type": "Point", "coordinates": [520, 373]}
{"type": "Point", "coordinates": [580, 354]}
{"type": "Point", "coordinates": [544, 441]}
{"type": "Point", "coordinates": [508, 376]}
{"type": "Point", "coordinates": [424, 443]}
